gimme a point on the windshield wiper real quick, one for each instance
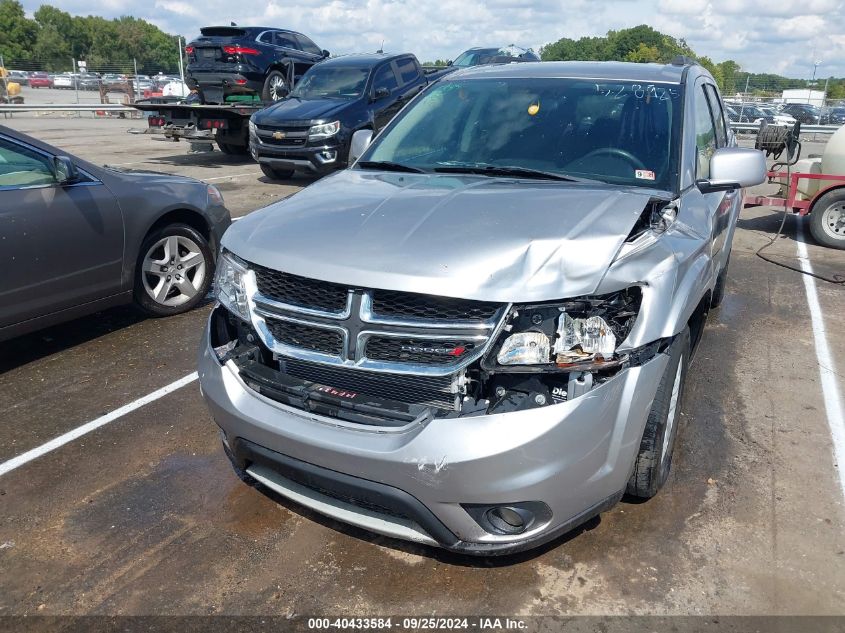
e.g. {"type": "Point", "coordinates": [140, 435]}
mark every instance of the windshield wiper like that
{"type": "Point", "coordinates": [485, 169]}
{"type": "Point", "coordinates": [387, 165]}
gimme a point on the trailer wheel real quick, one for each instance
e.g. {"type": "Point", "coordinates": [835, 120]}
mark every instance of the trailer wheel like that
{"type": "Point", "coordinates": [276, 174]}
{"type": "Point", "coordinates": [275, 86]}
{"type": "Point", "coordinates": [827, 220]}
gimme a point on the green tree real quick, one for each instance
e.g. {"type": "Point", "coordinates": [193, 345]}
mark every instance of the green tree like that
{"type": "Point", "coordinates": [643, 54]}
{"type": "Point", "coordinates": [17, 32]}
{"type": "Point", "coordinates": [52, 49]}
{"type": "Point", "coordinates": [729, 69]}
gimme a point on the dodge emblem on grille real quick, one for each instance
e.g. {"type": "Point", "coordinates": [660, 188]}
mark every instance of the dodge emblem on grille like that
{"type": "Point", "coordinates": [279, 135]}
{"type": "Point", "coordinates": [441, 351]}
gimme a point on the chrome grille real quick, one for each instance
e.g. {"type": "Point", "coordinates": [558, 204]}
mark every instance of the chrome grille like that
{"type": "Point", "coordinates": [334, 324]}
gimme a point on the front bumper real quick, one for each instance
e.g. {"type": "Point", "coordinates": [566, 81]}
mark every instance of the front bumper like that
{"type": "Point", "coordinates": [575, 457]}
{"type": "Point", "coordinates": [321, 159]}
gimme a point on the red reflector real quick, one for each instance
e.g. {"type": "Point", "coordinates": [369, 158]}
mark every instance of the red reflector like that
{"type": "Point", "coordinates": [209, 124]}
{"type": "Point", "coordinates": [240, 82]}
{"type": "Point", "coordinates": [189, 49]}
{"type": "Point", "coordinates": [239, 50]}
{"type": "Point", "coordinates": [156, 121]}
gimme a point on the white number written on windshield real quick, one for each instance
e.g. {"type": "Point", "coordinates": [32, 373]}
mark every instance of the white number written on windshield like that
{"type": "Point", "coordinates": [639, 91]}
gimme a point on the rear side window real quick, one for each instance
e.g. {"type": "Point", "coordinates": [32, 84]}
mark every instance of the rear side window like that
{"type": "Point", "coordinates": [23, 167]}
{"type": "Point", "coordinates": [705, 134]}
{"type": "Point", "coordinates": [718, 115]}
{"type": "Point", "coordinates": [385, 78]}
{"type": "Point", "coordinates": [266, 38]}
{"type": "Point", "coordinates": [307, 45]}
{"type": "Point", "coordinates": [407, 70]}
{"type": "Point", "coordinates": [286, 40]}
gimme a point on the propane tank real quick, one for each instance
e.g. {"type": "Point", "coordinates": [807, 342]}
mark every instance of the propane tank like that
{"type": "Point", "coordinates": [833, 159]}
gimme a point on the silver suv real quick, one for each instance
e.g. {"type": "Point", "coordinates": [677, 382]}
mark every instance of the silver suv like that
{"type": "Point", "coordinates": [477, 336]}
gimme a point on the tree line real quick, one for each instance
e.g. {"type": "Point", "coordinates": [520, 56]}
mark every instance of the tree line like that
{"type": "Point", "coordinates": [53, 38]}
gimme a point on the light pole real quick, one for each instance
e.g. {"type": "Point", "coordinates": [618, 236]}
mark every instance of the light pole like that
{"type": "Point", "coordinates": [816, 65]}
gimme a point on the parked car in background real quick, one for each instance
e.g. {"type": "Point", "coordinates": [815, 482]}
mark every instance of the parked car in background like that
{"type": "Point", "coordinates": [89, 81]}
{"type": "Point", "coordinates": [478, 336]}
{"type": "Point", "coordinates": [776, 116]}
{"type": "Point", "coordinates": [114, 81]}
{"type": "Point", "coordinates": [310, 130]}
{"type": "Point", "coordinates": [20, 77]}
{"type": "Point", "coordinates": [65, 81]}
{"type": "Point", "coordinates": [81, 238]}
{"type": "Point", "coordinates": [833, 116]}
{"type": "Point", "coordinates": [40, 79]}
{"type": "Point", "coordinates": [250, 60]}
{"type": "Point", "coordinates": [803, 112]}
{"type": "Point", "coordinates": [503, 55]}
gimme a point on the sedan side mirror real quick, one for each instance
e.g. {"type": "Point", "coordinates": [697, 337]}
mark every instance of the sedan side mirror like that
{"type": "Point", "coordinates": [734, 168]}
{"type": "Point", "coordinates": [360, 142]}
{"type": "Point", "coordinates": [65, 170]}
{"type": "Point", "coordinates": [326, 53]}
{"type": "Point", "coordinates": [449, 63]}
{"type": "Point", "coordinates": [381, 93]}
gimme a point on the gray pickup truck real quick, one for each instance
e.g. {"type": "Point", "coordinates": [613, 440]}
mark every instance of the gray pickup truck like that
{"type": "Point", "coordinates": [477, 336]}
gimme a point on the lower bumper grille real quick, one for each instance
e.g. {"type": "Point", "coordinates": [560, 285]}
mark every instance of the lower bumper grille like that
{"type": "Point", "coordinates": [428, 391]}
{"type": "Point", "coordinates": [306, 337]}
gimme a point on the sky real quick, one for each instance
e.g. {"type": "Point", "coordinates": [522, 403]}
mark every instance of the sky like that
{"type": "Point", "coordinates": [779, 36]}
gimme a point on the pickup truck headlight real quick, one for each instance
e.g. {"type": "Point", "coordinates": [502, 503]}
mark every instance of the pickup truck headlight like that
{"type": "Point", "coordinates": [323, 131]}
{"type": "Point", "coordinates": [252, 128]}
{"type": "Point", "coordinates": [229, 286]}
{"type": "Point", "coordinates": [569, 334]}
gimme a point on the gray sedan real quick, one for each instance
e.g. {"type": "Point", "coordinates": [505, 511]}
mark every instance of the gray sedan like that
{"type": "Point", "coordinates": [77, 238]}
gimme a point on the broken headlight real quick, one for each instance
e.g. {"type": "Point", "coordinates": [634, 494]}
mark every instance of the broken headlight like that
{"type": "Point", "coordinates": [569, 334]}
{"type": "Point", "coordinates": [229, 285]}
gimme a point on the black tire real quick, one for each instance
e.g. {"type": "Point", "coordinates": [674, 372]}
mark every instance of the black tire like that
{"type": "Point", "coordinates": [827, 220]}
{"type": "Point", "coordinates": [719, 289]}
{"type": "Point", "coordinates": [232, 150]}
{"type": "Point", "coordinates": [276, 174]}
{"type": "Point", "coordinates": [184, 294]}
{"type": "Point", "coordinates": [275, 86]}
{"type": "Point", "coordinates": [652, 464]}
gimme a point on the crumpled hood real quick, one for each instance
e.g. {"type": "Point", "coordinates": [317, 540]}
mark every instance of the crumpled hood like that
{"type": "Point", "coordinates": [462, 236]}
{"type": "Point", "coordinates": [293, 109]}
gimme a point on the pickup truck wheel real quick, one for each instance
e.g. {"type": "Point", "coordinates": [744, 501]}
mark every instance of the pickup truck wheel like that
{"type": "Point", "coordinates": [719, 290]}
{"type": "Point", "coordinates": [651, 468]}
{"type": "Point", "coordinates": [276, 174]}
{"type": "Point", "coordinates": [174, 270]}
{"type": "Point", "coordinates": [827, 220]}
{"type": "Point", "coordinates": [275, 86]}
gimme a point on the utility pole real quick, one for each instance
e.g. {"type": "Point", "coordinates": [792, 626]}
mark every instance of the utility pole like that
{"type": "Point", "coordinates": [744, 96]}
{"type": "Point", "coordinates": [137, 86]}
{"type": "Point", "coordinates": [816, 65]}
{"type": "Point", "coordinates": [181, 68]}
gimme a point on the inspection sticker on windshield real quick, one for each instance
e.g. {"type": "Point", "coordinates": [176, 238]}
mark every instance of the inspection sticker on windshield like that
{"type": "Point", "coordinates": [644, 174]}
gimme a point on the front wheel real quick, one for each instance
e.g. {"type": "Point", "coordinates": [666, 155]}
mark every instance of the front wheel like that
{"type": "Point", "coordinates": [275, 86]}
{"type": "Point", "coordinates": [174, 270]}
{"type": "Point", "coordinates": [276, 174]}
{"type": "Point", "coordinates": [654, 460]}
{"type": "Point", "coordinates": [232, 150]}
{"type": "Point", "coordinates": [827, 220]}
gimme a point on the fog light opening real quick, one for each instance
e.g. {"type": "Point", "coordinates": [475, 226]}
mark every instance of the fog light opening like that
{"type": "Point", "coordinates": [509, 520]}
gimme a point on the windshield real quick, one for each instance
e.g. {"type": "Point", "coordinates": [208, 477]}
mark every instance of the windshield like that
{"type": "Point", "coordinates": [475, 58]}
{"type": "Point", "coordinates": [338, 82]}
{"type": "Point", "coordinates": [614, 131]}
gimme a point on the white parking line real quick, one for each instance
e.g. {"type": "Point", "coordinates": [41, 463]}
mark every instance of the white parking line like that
{"type": "Point", "coordinates": [252, 173]}
{"type": "Point", "coordinates": [827, 371]}
{"type": "Point", "coordinates": [79, 431]}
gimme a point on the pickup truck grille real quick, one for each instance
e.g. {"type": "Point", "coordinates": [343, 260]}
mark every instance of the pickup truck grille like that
{"type": "Point", "coordinates": [396, 345]}
{"type": "Point", "coordinates": [283, 136]}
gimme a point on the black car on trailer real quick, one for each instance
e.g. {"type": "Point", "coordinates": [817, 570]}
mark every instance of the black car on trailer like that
{"type": "Point", "coordinates": [248, 60]}
{"type": "Point", "coordinates": [311, 129]}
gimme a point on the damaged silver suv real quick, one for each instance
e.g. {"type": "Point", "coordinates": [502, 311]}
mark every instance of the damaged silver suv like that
{"type": "Point", "coordinates": [477, 336]}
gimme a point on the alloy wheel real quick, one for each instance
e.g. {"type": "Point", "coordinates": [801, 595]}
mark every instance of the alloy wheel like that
{"type": "Point", "coordinates": [174, 270]}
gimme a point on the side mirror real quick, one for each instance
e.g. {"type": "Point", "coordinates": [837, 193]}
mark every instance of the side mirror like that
{"type": "Point", "coordinates": [360, 142]}
{"type": "Point", "coordinates": [734, 168]}
{"type": "Point", "coordinates": [449, 63]}
{"type": "Point", "coordinates": [326, 53]}
{"type": "Point", "coordinates": [65, 170]}
{"type": "Point", "coordinates": [381, 93]}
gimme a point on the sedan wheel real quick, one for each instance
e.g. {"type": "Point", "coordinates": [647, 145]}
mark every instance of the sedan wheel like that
{"type": "Point", "coordinates": [174, 270]}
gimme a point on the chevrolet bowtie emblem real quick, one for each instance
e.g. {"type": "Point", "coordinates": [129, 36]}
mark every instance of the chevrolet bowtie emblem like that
{"type": "Point", "coordinates": [278, 135]}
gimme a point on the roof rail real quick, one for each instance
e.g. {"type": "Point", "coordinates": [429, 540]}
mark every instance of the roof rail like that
{"type": "Point", "coordinates": [683, 60]}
